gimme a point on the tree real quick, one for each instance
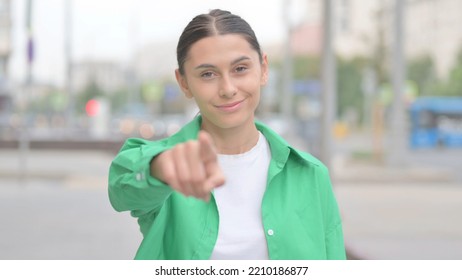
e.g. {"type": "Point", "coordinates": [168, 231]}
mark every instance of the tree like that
{"type": "Point", "coordinates": [453, 86]}
{"type": "Point", "coordinates": [379, 56]}
{"type": "Point", "coordinates": [307, 67]}
{"type": "Point", "coordinates": [349, 91]}
{"type": "Point", "coordinates": [421, 70]}
{"type": "Point", "coordinates": [118, 100]}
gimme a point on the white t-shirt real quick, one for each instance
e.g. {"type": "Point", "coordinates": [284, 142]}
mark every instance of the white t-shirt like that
{"type": "Point", "coordinates": [240, 233]}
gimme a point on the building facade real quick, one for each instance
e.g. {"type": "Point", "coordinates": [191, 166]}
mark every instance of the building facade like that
{"type": "Point", "coordinates": [432, 27]}
{"type": "Point", "coordinates": [107, 75]}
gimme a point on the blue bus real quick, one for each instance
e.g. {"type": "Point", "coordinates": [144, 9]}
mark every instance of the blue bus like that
{"type": "Point", "coordinates": [436, 122]}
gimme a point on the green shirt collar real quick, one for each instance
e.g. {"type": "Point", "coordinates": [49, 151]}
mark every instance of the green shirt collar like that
{"type": "Point", "coordinates": [280, 149]}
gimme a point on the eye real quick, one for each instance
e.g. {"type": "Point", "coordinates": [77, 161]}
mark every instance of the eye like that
{"type": "Point", "coordinates": [207, 75]}
{"type": "Point", "coordinates": [240, 69]}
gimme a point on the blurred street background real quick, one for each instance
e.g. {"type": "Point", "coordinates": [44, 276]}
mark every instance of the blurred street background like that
{"type": "Point", "coordinates": [372, 88]}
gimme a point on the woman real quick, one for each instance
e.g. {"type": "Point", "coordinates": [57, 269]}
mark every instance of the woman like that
{"type": "Point", "coordinates": [225, 186]}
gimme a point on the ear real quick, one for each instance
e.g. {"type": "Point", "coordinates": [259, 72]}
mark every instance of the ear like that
{"type": "Point", "coordinates": [183, 83]}
{"type": "Point", "coordinates": [264, 70]}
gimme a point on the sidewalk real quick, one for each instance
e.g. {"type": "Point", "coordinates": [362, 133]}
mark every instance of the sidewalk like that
{"type": "Point", "coordinates": [62, 210]}
{"type": "Point", "coordinates": [411, 212]}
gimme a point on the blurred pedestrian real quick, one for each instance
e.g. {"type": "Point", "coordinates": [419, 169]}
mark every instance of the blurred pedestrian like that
{"type": "Point", "coordinates": [225, 186]}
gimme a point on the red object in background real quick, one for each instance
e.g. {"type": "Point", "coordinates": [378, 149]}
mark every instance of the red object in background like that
{"type": "Point", "coordinates": [92, 107]}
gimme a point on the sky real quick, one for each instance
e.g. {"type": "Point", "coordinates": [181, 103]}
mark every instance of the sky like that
{"type": "Point", "coordinates": [114, 29]}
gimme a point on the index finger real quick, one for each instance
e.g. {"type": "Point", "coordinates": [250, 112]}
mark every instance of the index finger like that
{"type": "Point", "coordinates": [207, 148]}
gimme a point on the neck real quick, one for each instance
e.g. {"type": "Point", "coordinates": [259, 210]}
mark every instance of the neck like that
{"type": "Point", "coordinates": [233, 140]}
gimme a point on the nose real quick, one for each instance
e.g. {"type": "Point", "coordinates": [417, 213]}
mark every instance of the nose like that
{"type": "Point", "coordinates": [227, 87]}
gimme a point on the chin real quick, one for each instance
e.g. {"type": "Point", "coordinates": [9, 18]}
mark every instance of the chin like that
{"type": "Point", "coordinates": [231, 121]}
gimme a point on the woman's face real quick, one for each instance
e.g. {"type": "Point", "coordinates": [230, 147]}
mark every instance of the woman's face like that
{"type": "Point", "coordinates": [224, 76]}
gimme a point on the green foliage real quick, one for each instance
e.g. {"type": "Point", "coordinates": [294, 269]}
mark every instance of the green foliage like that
{"type": "Point", "coordinates": [53, 101]}
{"type": "Point", "coordinates": [306, 67]}
{"type": "Point", "coordinates": [118, 100]}
{"type": "Point", "coordinates": [349, 92]}
{"type": "Point", "coordinates": [453, 86]}
{"type": "Point", "coordinates": [421, 70]}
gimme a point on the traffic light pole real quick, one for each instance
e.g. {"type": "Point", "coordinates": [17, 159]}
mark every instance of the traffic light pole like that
{"type": "Point", "coordinates": [70, 113]}
{"type": "Point", "coordinates": [24, 141]}
{"type": "Point", "coordinates": [397, 147]}
{"type": "Point", "coordinates": [329, 89]}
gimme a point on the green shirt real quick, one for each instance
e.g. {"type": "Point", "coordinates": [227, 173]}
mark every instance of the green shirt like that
{"type": "Point", "coordinates": [299, 211]}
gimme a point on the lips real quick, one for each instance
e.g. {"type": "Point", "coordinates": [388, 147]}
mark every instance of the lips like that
{"type": "Point", "coordinates": [230, 106]}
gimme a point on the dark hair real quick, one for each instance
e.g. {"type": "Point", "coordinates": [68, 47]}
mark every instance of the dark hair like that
{"type": "Point", "coordinates": [216, 22]}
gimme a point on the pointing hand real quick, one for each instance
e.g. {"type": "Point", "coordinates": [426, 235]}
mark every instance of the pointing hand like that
{"type": "Point", "coordinates": [190, 168]}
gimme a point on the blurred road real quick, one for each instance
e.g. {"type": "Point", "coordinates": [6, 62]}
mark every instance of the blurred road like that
{"type": "Point", "coordinates": [61, 210]}
{"type": "Point", "coordinates": [411, 211]}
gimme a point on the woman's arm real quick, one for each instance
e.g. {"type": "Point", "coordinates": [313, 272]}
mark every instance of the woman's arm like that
{"type": "Point", "coordinates": [131, 187]}
{"type": "Point", "coordinates": [144, 173]}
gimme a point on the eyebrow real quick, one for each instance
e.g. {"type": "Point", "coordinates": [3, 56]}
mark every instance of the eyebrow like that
{"type": "Point", "coordinates": [206, 65]}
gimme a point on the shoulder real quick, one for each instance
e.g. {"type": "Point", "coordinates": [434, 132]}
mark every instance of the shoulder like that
{"type": "Point", "coordinates": [308, 158]}
{"type": "Point", "coordinates": [279, 145]}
